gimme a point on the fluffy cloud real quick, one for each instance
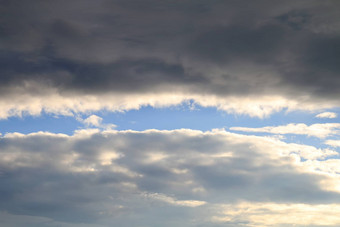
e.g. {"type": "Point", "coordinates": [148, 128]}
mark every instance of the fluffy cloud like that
{"type": "Point", "coordinates": [132, 178]}
{"type": "Point", "coordinates": [69, 105]}
{"type": "Point", "coordinates": [93, 120]}
{"type": "Point", "coordinates": [214, 52]}
{"type": "Point", "coordinates": [317, 130]}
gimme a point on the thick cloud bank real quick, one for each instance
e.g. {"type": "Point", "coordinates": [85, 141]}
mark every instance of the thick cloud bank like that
{"type": "Point", "coordinates": [165, 178]}
{"type": "Point", "coordinates": [251, 57]}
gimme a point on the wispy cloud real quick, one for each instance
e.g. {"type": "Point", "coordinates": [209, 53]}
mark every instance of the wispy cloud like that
{"type": "Point", "coordinates": [334, 143]}
{"type": "Point", "coordinates": [327, 115]}
{"type": "Point", "coordinates": [316, 130]}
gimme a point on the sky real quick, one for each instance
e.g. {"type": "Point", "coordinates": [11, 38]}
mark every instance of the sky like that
{"type": "Point", "coordinates": [169, 113]}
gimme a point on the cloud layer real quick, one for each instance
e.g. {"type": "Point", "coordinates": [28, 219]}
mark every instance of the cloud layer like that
{"type": "Point", "coordinates": [132, 178]}
{"type": "Point", "coordinates": [269, 55]}
{"type": "Point", "coordinates": [255, 58]}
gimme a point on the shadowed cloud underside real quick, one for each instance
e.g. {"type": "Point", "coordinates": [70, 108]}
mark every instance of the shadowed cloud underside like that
{"type": "Point", "coordinates": [65, 57]}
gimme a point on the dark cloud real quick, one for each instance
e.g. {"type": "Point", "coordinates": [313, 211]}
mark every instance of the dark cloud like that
{"type": "Point", "coordinates": [289, 48]}
{"type": "Point", "coordinates": [226, 44]}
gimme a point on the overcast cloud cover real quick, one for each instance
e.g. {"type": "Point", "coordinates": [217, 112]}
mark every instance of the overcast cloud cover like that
{"type": "Point", "coordinates": [252, 58]}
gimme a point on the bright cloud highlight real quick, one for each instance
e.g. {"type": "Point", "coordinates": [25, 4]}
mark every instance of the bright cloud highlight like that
{"type": "Point", "coordinates": [327, 115]}
{"type": "Point", "coordinates": [316, 130]}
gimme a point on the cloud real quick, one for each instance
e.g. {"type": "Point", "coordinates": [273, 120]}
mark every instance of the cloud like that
{"type": "Point", "coordinates": [316, 130]}
{"type": "Point", "coordinates": [78, 57]}
{"type": "Point", "coordinates": [334, 143]}
{"type": "Point", "coordinates": [269, 214]}
{"type": "Point", "coordinates": [216, 51]}
{"type": "Point", "coordinates": [170, 200]}
{"type": "Point", "coordinates": [93, 120]}
{"type": "Point", "coordinates": [131, 178]}
{"type": "Point", "coordinates": [70, 105]}
{"type": "Point", "coordinates": [327, 115]}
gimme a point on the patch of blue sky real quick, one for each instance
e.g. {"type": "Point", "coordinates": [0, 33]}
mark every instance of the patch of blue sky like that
{"type": "Point", "coordinates": [309, 140]}
{"type": "Point", "coordinates": [43, 122]}
{"type": "Point", "coordinates": [176, 117]}
{"type": "Point", "coordinates": [201, 118]}
{"type": "Point", "coordinates": [297, 139]}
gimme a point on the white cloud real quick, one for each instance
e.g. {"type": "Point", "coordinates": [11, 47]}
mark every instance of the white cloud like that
{"type": "Point", "coordinates": [20, 103]}
{"type": "Point", "coordinates": [93, 120]}
{"type": "Point", "coordinates": [53, 102]}
{"type": "Point", "coordinates": [316, 130]}
{"type": "Point", "coordinates": [334, 143]}
{"type": "Point", "coordinates": [327, 115]}
{"type": "Point", "coordinates": [96, 121]}
{"type": "Point", "coordinates": [113, 177]}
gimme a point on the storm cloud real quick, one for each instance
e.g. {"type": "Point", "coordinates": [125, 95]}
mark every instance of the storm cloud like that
{"type": "Point", "coordinates": [216, 50]}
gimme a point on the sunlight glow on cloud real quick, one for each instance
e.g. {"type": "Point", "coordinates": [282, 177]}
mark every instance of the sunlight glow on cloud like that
{"type": "Point", "coordinates": [53, 103]}
{"type": "Point", "coordinates": [272, 214]}
{"type": "Point", "coordinates": [327, 115]}
{"type": "Point", "coordinates": [316, 130]}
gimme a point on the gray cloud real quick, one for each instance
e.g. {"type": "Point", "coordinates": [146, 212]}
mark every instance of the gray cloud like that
{"type": "Point", "coordinates": [110, 178]}
{"type": "Point", "coordinates": [222, 48]}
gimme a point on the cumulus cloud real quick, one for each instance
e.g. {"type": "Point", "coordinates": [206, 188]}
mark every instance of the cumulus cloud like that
{"type": "Point", "coordinates": [316, 130]}
{"type": "Point", "coordinates": [96, 121]}
{"type": "Point", "coordinates": [327, 115]}
{"type": "Point", "coordinates": [131, 178]}
{"type": "Point", "coordinates": [93, 120]}
{"type": "Point", "coordinates": [67, 61]}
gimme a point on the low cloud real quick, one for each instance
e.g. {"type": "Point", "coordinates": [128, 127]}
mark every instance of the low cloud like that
{"type": "Point", "coordinates": [105, 178]}
{"type": "Point", "coordinates": [274, 56]}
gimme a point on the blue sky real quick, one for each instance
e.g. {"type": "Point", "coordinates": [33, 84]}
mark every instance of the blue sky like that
{"type": "Point", "coordinates": [169, 113]}
{"type": "Point", "coordinates": [171, 118]}
{"type": "Point", "coordinates": [176, 117]}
